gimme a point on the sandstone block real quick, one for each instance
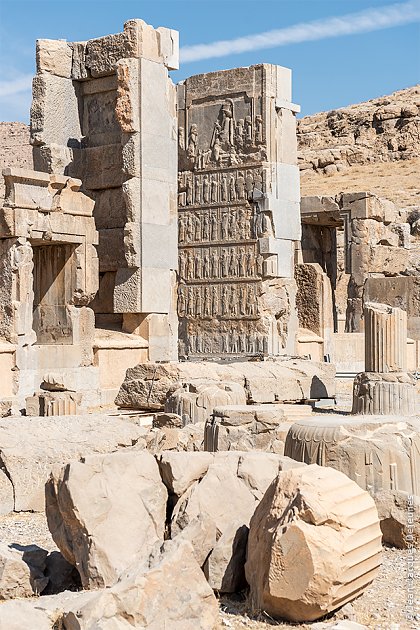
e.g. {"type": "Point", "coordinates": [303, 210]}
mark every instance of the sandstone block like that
{"type": "Point", "coordinates": [173, 594]}
{"type": "Point", "coordinates": [47, 442]}
{"type": "Point", "coordinates": [21, 571]}
{"type": "Point", "coordinates": [54, 56]}
{"type": "Point", "coordinates": [314, 544]}
{"type": "Point", "coordinates": [106, 510]}
{"type": "Point", "coordinates": [399, 513]}
{"type": "Point", "coordinates": [180, 470]}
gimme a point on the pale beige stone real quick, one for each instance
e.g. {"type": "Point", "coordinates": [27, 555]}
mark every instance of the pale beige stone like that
{"type": "Point", "coordinates": [22, 571]}
{"type": "Point", "coordinates": [180, 470]}
{"type": "Point", "coordinates": [31, 447]}
{"type": "Point", "coordinates": [106, 510]}
{"type": "Point", "coordinates": [173, 594]}
{"type": "Point", "coordinates": [314, 544]}
{"type": "Point", "coordinates": [54, 56]}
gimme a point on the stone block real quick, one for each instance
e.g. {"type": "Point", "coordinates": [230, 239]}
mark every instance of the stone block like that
{"type": "Point", "coordinates": [103, 53]}
{"type": "Point", "coordinates": [110, 250]}
{"type": "Point", "coordinates": [384, 394]}
{"type": "Point", "coordinates": [119, 500]}
{"type": "Point", "coordinates": [54, 56]}
{"type": "Point", "coordinates": [54, 112]}
{"type": "Point", "coordinates": [29, 462]}
{"type": "Point", "coordinates": [323, 531]}
{"type": "Point", "coordinates": [103, 167]}
{"type": "Point", "coordinates": [110, 209]}
{"type": "Point", "coordinates": [169, 47]}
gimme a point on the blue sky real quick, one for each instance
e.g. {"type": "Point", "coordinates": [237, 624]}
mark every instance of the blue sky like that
{"type": "Point", "coordinates": [330, 68]}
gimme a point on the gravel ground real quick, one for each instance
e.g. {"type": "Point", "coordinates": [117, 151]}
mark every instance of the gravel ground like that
{"type": "Point", "coordinates": [381, 607]}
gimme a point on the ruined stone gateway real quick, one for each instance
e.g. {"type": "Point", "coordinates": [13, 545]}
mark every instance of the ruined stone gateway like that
{"type": "Point", "coordinates": [180, 329]}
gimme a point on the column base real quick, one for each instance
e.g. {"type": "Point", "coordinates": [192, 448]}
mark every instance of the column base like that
{"type": "Point", "coordinates": [390, 394]}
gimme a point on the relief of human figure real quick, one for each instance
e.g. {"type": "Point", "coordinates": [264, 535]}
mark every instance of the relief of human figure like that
{"type": "Point", "coordinates": [207, 302]}
{"type": "Point", "coordinates": [233, 306]}
{"type": "Point", "coordinates": [206, 189]}
{"type": "Point", "coordinates": [232, 190]}
{"type": "Point", "coordinates": [192, 141]}
{"type": "Point", "coordinates": [182, 264]}
{"type": "Point", "coordinates": [233, 264]}
{"type": "Point", "coordinates": [239, 133]}
{"type": "Point", "coordinates": [206, 266]}
{"type": "Point", "coordinates": [242, 223]}
{"type": "Point", "coordinates": [258, 129]}
{"type": "Point", "coordinates": [250, 263]}
{"type": "Point", "coordinates": [224, 188]}
{"type": "Point", "coordinates": [225, 225]}
{"type": "Point", "coordinates": [189, 228]}
{"type": "Point", "coordinates": [260, 342]}
{"type": "Point", "coordinates": [233, 225]}
{"type": "Point", "coordinates": [198, 308]}
{"type": "Point", "coordinates": [189, 189]}
{"type": "Point", "coordinates": [214, 185]}
{"type": "Point", "coordinates": [248, 130]}
{"type": "Point", "coordinates": [251, 342]}
{"type": "Point", "coordinates": [214, 302]}
{"type": "Point", "coordinates": [248, 224]}
{"type": "Point", "coordinates": [198, 266]}
{"type": "Point", "coordinates": [234, 339]}
{"type": "Point", "coordinates": [258, 181]}
{"type": "Point", "coordinates": [181, 302]}
{"type": "Point", "coordinates": [227, 125]}
{"type": "Point", "coordinates": [249, 184]}
{"type": "Point", "coordinates": [215, 151]}
{"type": "Point", "coordinates": [206, 227]}
{"type": "Point", "coordinates": [242, 341]}
{"type": "Point", "coordinates": [241, 263]}
{"type": "Point", "coordinates": [181, 229]}
{"type": "Point", "coordinates": [190, 302]}
{"type": "Point", "coordinates": [214, 226]}
{"type": "Point", "coordinates": [189, 272]}
{"type": "Point", "coordinates": [197, 190]}
{"type": "Point", "coordinates": [240, 186]}
{"type": "Point", "coordinates": [215, 264]}
{"type": "Point", "coordinates": [225, 342]}
{"type": "Point", "coordinates": [243, 296]}
{"type": "Point", "coordinates": [225, 264]}
{"type": "Point", "coordinates": [225, 300]}
{"type": "Point", "coordinates": [199, 343]}
{"type": "Point", "coordinates": [197, 228]}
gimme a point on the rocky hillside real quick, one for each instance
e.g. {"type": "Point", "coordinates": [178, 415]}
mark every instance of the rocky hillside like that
{"type": "Point", "coordinates": [369, 146]}
{"type": "Point", "coordinates": [15, 149]}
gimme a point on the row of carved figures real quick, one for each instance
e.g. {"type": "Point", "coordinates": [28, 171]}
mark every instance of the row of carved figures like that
{"type": "Point", "coordinates": [227, 342]}
{"type": "Point", "coordinates": [226, 300]}
{"type": "Point", "coordinates": [223, 225]}
{"type": "Point", "coordinates": [218, 188]}
{"type": "Point", "coordinates": [218, 263]}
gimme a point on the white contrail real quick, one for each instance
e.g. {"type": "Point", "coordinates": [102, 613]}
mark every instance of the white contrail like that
{"type": "Point", "coordinates": [16, 86]}
{"type": "Point", "coordinates": [350, 24]}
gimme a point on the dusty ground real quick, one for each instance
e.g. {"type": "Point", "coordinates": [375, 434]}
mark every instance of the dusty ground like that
{"type": "Point", "coordinates": [381, 607]}
{"type": "Point", "coordinates": [397, 181]}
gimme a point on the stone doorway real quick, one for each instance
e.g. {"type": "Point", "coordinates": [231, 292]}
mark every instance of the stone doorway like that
{"type": "Point", "coordinates": [54, 281]}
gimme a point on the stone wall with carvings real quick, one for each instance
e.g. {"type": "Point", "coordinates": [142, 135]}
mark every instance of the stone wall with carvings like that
{"type": "Point", "coordinates": [238, 212]}
{"type": "Point", "coordinates": [15, 150]}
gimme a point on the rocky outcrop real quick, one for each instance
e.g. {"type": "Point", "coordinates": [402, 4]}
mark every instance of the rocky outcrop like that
{"type": "Point", "coordinates": [314, 544]}
{"type": "Point", "coordinates": [106, 512]}
{"type": "Point", "coordinates": [384, 129]}
{"type": "Point", "coordinates": [31, 447]}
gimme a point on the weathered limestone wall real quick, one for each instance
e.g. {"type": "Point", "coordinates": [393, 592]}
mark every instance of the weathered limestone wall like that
{"type": "Point", "coordinates": [238, 212]}
{"type": "Point", "coordinates": [15, 148]}
{"type": "Point", "coordinates": [104, 111]}
{"type": "Point", "coordinates": [360, 239]}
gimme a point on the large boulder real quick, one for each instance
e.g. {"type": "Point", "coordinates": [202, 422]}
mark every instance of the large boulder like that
{"type": "Point", "coordinates": [399, 513]}
{"type": "Point", "coordinates": [226, 495]}
{"type": "Point", "coordinates": [173, 594]}
{"type": "Point", "coordinates": [314, 544]}
{"type": "Point", "coordinates": [31, 447]}
{"type": "Point", "coordinates": [106, 510]}
{"type": "Point", "coordinates": [150, 385]}
{"type": "Point", "coordinates": [22, 571]}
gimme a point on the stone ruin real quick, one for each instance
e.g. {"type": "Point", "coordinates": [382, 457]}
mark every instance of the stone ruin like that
{"type": "Point", "coordinates": [159, 256]}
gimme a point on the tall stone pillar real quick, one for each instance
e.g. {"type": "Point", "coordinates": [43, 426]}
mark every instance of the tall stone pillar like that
{"type": "Point", "coordinates": [385, 387]}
